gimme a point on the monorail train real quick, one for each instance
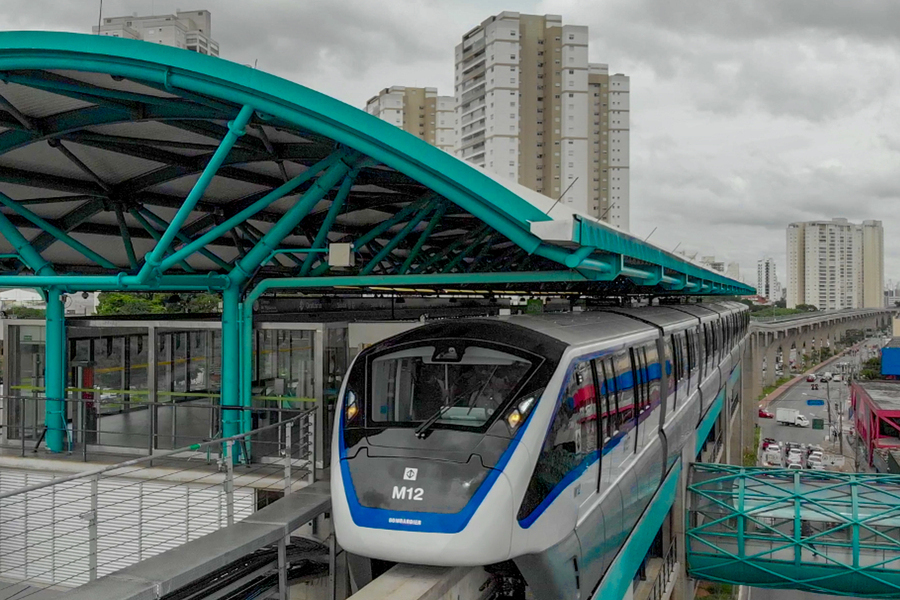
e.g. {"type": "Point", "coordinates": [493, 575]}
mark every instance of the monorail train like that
{"type": "Point", "coordinates": [534, 441]}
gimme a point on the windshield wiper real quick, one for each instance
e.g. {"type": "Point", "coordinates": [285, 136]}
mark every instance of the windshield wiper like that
{"type": "Point", "coordinates": [423, 429]}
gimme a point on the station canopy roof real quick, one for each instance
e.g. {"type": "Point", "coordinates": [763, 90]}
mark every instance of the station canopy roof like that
{"type": "Point", "coordinates": [105, 142]}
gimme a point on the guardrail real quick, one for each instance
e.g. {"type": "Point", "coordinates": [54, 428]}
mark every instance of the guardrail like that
{"type": "Point", "coordinates": [70, 530]}
{"type": "Point", "coordinates": [114, 426]}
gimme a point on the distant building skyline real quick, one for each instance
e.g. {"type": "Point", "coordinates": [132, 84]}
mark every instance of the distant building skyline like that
{"type": "Point", "coordinates": [767, 284]}
{"type": "Point", "coordinates": [530, 107]}
{"type": "Point", "coordinates": [835, 264]}
{"type": "Point", "coordinates": [419, 111]}
{"type": "Point", "coordinates": [187, 29]}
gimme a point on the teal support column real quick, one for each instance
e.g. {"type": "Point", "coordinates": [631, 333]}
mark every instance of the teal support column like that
{"type": "Point", "coordinates": [54, 372]}
{"type": "Point", "coordinates": [231, 352]}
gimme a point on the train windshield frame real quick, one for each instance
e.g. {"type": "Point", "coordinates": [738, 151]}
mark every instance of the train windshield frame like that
{"type": "Point", "coordinates": [461, 384]}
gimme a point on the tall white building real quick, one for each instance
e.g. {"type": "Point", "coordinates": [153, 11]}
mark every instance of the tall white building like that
{"type": "Point", "coordinates": [419, 111]}
{"type": "Point", "coordinates": [835, 264]}
{"type": "Point", "coordinates": [733, 271]}
{"type": "Point", "coordinates": [767, 284]}
{"type": "Point", "coordinates": [188, 29]}
{"type": "Point", "coordinates": [530, 107]}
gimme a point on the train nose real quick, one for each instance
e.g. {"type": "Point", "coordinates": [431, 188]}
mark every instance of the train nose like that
{"type": "Point", "coordinates": [411, 484]}
{"type": "Point", "coordinates": [423, 511]}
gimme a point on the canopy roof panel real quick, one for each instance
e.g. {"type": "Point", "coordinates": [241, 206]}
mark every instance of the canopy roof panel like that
{"type": "Point", "coordinates": [108, 146]}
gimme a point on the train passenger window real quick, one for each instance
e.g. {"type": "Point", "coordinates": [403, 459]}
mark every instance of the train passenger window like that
{"type": "Point", "coordinates": [667, 359]}
{"type": "Point", "coordinates": [583, 403]}
{"type": "Point", "coordinates": [698, 347]}
{"type": "Point", "coordinates": [682, 356]}
{"type": "Point", "coordinates": [625, 390]}
{"type": "Point", "coordinates": [651, 359]}
{"type": "Point", "coordinates": [608, 403]}
{"type": "Point", "coordinates": [691, 352]}
{"type": "Point", "coordinates": [570, 440]}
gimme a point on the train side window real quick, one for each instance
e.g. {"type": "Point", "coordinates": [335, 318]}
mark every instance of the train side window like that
{"type": "Point", "coordinates": [667, 360]}
{"type": "Point", "coordinates": [607, 398]}
{"type": "Point", "coordinates": [651, 359]}
{"type": "Point", "coordinates": [565, 445]}
{"type": "Point", "coordinates": [695, 333]}
{"type": "Point", "coordinates": [612, 396]}
{"type": "Point", "coordinates": [691, 352]}
{"type": "Point", "coordinates": [625, 385]}
{"type": "Point", "coordinates": [582, 398]}
{"type": "Point", "coordinates": [603, 402]}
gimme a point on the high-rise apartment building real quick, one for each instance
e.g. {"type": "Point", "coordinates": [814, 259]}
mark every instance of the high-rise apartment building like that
{"type": "Point", "coordinates": [419, 111]}
{"type": "Point", "coordinates": [530, 107]}
{"type": "Point", "coordinates": [872, 264]}
{"type": "Point", "coordinates": [188, 29]}
{"type": "Point", "coordinates": [835, 264]}
{"type": "Point", "coordinates": [767, 284]}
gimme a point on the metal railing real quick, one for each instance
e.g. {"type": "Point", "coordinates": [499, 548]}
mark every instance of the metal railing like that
{"type": "Point", "coordinates": [143, 426]}
{"type": "Point", "coordinates": [665, 575]}
{"type": "Point", "coordinates": [66, 531]}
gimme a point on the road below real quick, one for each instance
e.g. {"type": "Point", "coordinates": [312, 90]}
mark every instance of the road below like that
{"type": "Point", "coordinates": [768, 594]}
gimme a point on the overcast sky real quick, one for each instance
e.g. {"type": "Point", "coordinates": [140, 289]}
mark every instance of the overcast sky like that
{"type": "Point", "coordinates": [745, 115]}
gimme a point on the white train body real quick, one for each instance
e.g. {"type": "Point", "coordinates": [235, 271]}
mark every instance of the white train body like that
{"type": "Point", "coordinates": [431, 466]}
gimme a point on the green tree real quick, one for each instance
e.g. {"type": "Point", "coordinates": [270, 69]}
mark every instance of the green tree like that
{"type": "Point", "coordinates": [871, 369]}
{"type": "Point", "coordinates": [781, 304]}
{"type": "Point", "coordinates": [25, 312]}
{"type": "Point", "coordinates": [807, 307]}
{"type": "Point", "coordinates": [131, 303]}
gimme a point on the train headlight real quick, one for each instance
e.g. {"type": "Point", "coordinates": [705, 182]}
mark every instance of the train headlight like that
{"type": "Point", "coordinates": [519, 412]}
{"type": "Point", "coordinates": [351, 407]}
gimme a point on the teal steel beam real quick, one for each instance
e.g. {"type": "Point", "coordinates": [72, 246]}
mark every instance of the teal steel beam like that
{"type": "Point", "coordinates": [156, 235]}
{"type": "Point", "coordinates": [266, 247]}
{"type": "Point", "coordinates": [230, 223]}
{"type": "Point", "coordinates": [423, 237]}
{"type": "Point", "coordinates": [54, 372]}
{"type": "Point", "coordinates": [126, 238]}
{"type": "Point", "coordinates": [399, 237]}
{"type": "Point", "coordinates": [462, 254]}
{"type": "Point", "coordinates": [56, 232]}
{"type": "Point", "coordinates": [235, 130]}
{"type": "Point", "coordinates": [231, 362]}
{"type": "Point", "coordinates": [184, 238]}
{"type": "Point", "coordinates": [448, 249]}
{"type": "Point", "coordinates": [333, 211]}
{"type": "Point", "coordinates": [26, 253]}
{"type": "Point", "coordinates": [120, 282]}
{"type": "Point", "coordinates": [382, 227]}
{"type": "Point", "coordinates": [485, 248]}
{"type": "Point", "coordinates": [55, 143]}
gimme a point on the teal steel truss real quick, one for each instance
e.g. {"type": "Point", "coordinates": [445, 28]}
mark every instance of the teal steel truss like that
{"type": "Point", "coordinates": [133, 166]}
{"type": "Point", "coordinates": [819, 531]}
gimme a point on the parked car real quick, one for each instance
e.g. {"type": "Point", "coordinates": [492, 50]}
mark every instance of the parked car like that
{"type": "Point", "coordinates": [815, 461]}
{"type": "Point", "coordinates": [811, 377]}
{"type": "Point", "coordinates": [794, 465]}
{"type": "Point", "coordinates": [764, 414]}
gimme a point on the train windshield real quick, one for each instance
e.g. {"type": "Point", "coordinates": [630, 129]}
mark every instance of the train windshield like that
{"type": "Point", "coordinates": [462, 385]}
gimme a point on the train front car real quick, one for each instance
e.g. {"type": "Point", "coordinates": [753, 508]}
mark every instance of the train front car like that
{"type": "Point", "coordinates": [429, 422]}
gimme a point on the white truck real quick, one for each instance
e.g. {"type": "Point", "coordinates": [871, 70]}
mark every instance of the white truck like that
{"type": "Point", "coordinates": [791, 416]}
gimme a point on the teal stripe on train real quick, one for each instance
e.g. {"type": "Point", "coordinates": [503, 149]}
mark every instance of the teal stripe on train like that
{"type": "Point", "coordinates": [624, 566]}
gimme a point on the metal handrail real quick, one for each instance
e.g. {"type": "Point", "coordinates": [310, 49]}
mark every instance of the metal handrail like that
{"type": "Point", "coordinates": [157, 456]}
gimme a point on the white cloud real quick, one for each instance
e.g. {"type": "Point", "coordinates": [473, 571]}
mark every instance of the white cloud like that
{"type": "Point", "coordinates": [746, 115]}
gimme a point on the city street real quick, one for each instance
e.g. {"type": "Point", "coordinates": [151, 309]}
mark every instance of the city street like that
{"type": "Point", "coordinates": [797, 397]}
{"type": "Point", "coordinates": [800, 393]}
{"type": "Point", "coordinates": [769, 594]}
